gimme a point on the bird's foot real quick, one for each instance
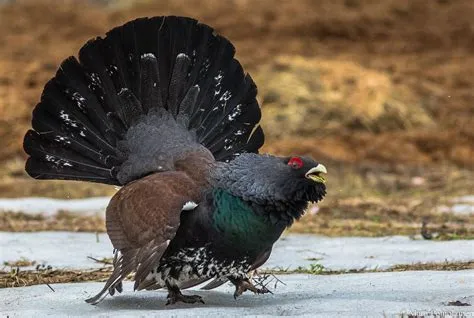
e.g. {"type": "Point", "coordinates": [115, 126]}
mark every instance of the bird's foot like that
{"type": "Point", "coordinates": [174, 297]}
{"type": "Point", "coordinates": [243, 285]}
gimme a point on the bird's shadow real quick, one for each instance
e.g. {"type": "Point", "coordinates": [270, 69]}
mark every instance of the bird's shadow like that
{"type": "Point", "coordinates": [157, 300]}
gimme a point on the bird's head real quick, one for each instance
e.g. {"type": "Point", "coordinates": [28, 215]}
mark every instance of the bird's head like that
{"type": "Point", "coordinates": [269, 179]}
{"type": "Point", "coordinates": [304, 178]}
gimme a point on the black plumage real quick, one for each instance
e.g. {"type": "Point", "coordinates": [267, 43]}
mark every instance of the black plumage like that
{"type": "Point", "coordinates": [161, 107]}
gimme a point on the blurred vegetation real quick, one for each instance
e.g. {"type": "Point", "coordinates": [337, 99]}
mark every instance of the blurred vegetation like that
{"type": "Point", "coordinates": [380, 91]}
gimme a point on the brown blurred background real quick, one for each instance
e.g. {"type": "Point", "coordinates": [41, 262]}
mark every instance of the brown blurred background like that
{"type": "Point", "coordinates": [382, 92]}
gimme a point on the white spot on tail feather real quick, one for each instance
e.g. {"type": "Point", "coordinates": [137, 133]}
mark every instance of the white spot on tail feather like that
{"type": "Point", "coordinates": [190, 205]}
{"type": "Point", "coordinates": [235, 113]}
{"type": "Point", "coordinates": [148, 55]}
{"type": "Point", "coordinates": [218, 78]}
{"type": "Point", "coordinates": [57, 161]}
{"type": "Point", "coordinates": [65, 117]}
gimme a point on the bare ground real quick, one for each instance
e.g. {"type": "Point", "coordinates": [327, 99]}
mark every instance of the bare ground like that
{"type": "Point", "coordinates": [364, 203]}
{"type": "Point", "coordinates": [383, 56]}
{"type": "Point", "coordinates": [381, 92]}
{"type": "Point", "coordinates": [16, 277]}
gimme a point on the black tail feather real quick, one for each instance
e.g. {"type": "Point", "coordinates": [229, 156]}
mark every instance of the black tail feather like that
{"type": "Point", "coordinates": [169, 63]}
{"type": "Point", "coordinates": [58, 162]}
{"type": "Point", "coordinates": [176, 87]}
{"type": "Point", "coordinates": [150, 85]}
{"type": "Point", "coordinates": [71, 75]}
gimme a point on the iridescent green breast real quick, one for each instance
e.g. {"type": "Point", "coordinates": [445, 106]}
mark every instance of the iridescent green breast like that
{"type": "Point", "coordinates": [240, 226]}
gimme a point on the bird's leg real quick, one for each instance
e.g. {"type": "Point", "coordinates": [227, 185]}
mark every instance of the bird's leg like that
{"type": "Point", "coordinates": [175, 295]}
{"type": "Point", "coordinates": [244, 284]}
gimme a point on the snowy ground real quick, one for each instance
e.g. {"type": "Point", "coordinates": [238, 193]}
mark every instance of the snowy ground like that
{"type": "Point", "coordinates": [371, 294]}
{"type": "Point", "coordinates": [350, 295]}
{"type": "Point", "coordinates": [71, 250]}
{"type": "Point", "coordinates": [46, 206]}
{"type": "Point", "coordinates": [91, 206]}
{"type": "Point", "coordinates": [423, 293]}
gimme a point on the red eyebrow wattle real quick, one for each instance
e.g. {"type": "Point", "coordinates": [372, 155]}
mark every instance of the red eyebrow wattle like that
{"type": "Point", "coordinates": [296, 162]}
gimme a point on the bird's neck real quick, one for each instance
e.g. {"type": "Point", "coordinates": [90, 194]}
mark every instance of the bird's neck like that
{"type": "Point", "coordinates": [280, 212]}
{"type": "Point", "coordinates": [240, 223]}
{"type": "Point", "coordinates": [263, 194]}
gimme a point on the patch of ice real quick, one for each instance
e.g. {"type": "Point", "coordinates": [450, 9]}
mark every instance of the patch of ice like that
{"type": "Point", "coordinates": [47, 206]}
{"type": "Point", "coordinates": [58, 249]}
{"type": "Point", "coordinates": [463, 209]}
{"type": "Point", "coordinates": [70, 250]}
{"type": "Point", "coordinates": [341, 253]}
{"type": "Point", "coordinates": [460, 206]}
{"type": "Point", "coordinates": [466, 199]}
{"type": "Point", "coordinates": [349, 295]}
{"type": "Point", "coordinates": [463, 205]}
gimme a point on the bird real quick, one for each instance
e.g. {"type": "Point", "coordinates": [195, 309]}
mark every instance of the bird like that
{"type": "Point", "coordinates": [161, 108]}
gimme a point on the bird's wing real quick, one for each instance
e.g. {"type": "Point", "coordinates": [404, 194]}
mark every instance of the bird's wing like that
{"type": "Point", "coordinates": [141, 220]}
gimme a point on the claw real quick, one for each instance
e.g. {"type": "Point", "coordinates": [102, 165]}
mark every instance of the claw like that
{"type": "Point", "coordinates": [173, 298]}
{"type": "Point", "coordinates": [244, 285]}
{"type": "Point", "coordinates": [175, 295]}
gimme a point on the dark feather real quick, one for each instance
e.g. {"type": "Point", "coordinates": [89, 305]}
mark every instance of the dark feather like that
{"type": "Point", "coordinates": [169, 63]}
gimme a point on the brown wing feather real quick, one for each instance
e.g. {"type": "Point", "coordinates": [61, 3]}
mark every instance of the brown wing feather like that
{"type": "Point", "coordinates": [142, 218]}
{"type": "Point", "coordinates": [149, 209]}
{"type": "Point", "coordinates": [127, 262]}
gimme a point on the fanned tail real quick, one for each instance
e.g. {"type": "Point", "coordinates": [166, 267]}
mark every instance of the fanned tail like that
{"type": "Point", "coordinates": [153, 82]}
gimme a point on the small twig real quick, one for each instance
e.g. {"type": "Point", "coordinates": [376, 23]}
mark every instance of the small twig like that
{"type": "Point", "coordinates": [277, 280]}
{"type": "Point", "coordinates": [264, 279]}
{"type": "Point", "coordinates": [50, 287]}
{"type": "Point", "coordinates": [425, 233]}
{"type": "Point", "coordinates": [102, 261]}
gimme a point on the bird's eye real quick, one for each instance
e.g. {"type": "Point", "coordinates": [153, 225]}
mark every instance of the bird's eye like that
{"type": "Point", "coordinates": [295, 162]}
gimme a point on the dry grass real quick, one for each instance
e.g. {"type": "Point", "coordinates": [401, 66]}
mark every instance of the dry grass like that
{"type": "Point", "coordinates": [63, 221]}
{"type": "Point", "coordinates": [27, 187]}
{"type": "Point", "coordinates": [360, 202]}
{"type": "Point", "coordinates": [22, 262]}
{"type": "Point", "coordinates": [394, 201]}
{"type": "Point", "coordinates": [380, 92]}
{"type": "Point", "coordinates": [373, 219]}
{"type": "Point", "coordinates": [314, 96]}
{"type": "Point", "coordinates": [19, 278]}
{"type": "Point", "coordinates": [15, 183]}
{"type": "Point", "coordinates": [369, 67]}
{"type": "Point", "coordinates": [317, 269]}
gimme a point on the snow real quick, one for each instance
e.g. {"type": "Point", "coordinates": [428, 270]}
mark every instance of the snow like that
{"type": "Point", "coordinates": [70, 250]}
{"type": "Point", "coordinates": [59, 249]}
{"type": "Point", "coordinates": [461, 206]}
{"type": "Point", "coordinates": [463, 209]}
{"type": "Point", "coordinates": [348, 295]}
{"type": "Point", "coordinates": [47, 207]}
{"type": "Point", "coordinates": [424, 293]}
{"type": "Point", "coordinates": [466, 199]}
{"type": "Point", "coordinates": [364, 252]}
{"type": "Point", "coordinates": [92, 206]}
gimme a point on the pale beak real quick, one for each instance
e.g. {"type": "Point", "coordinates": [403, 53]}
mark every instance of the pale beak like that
{"type": "Point", "coordinates": [316, 172]}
